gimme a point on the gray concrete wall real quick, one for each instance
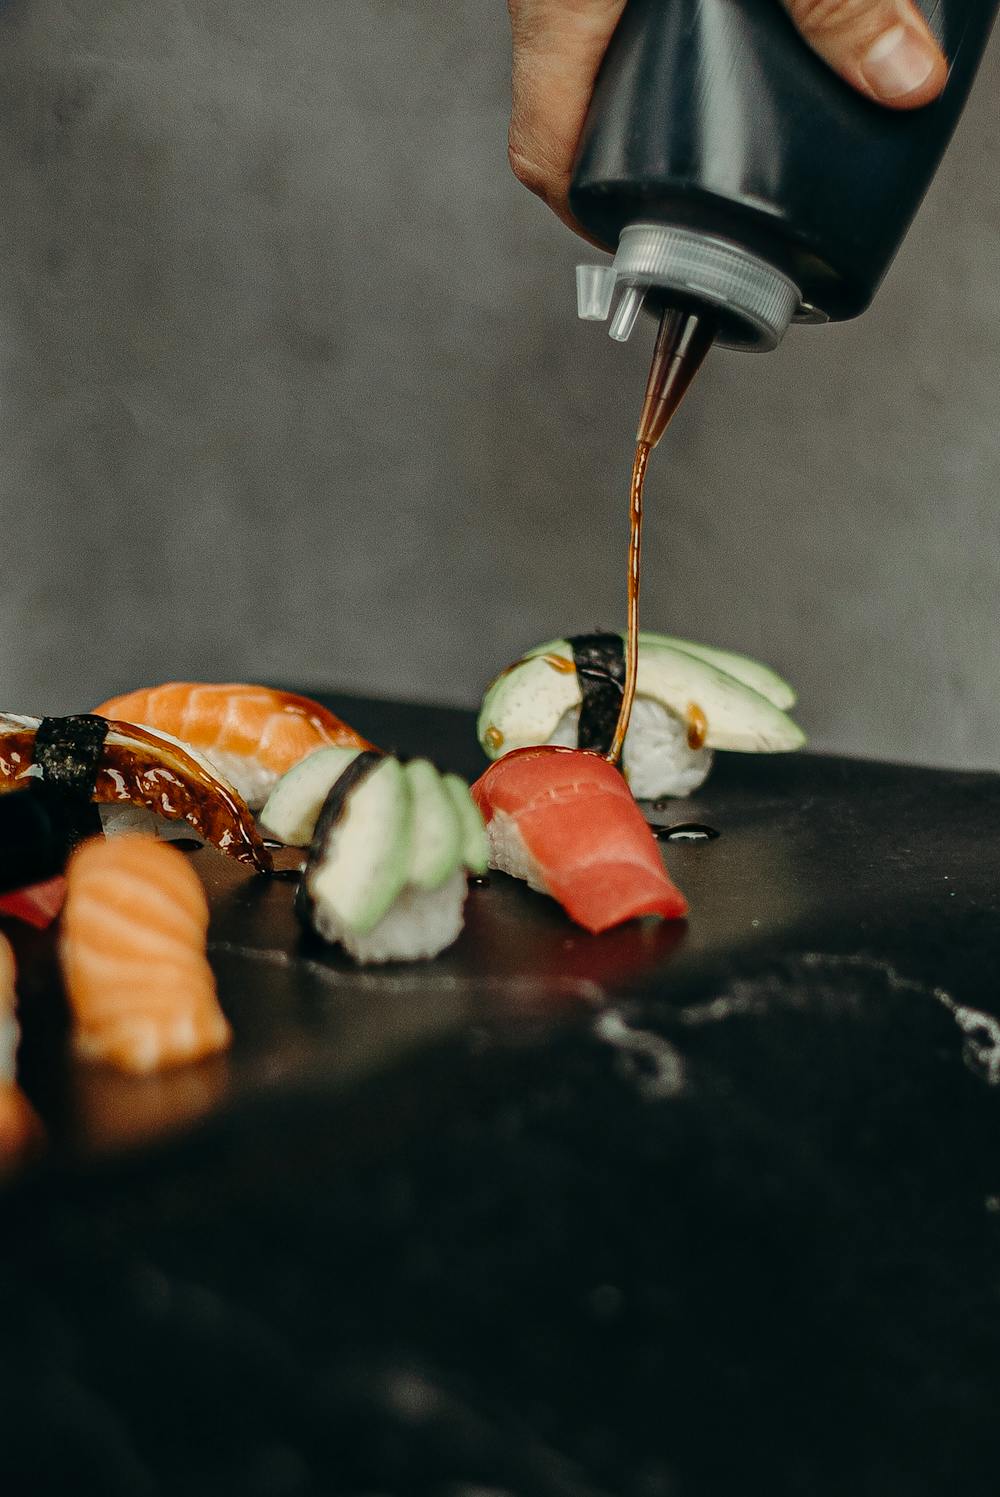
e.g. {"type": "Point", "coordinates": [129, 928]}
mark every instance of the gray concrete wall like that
{"type": "Point", "coordinates": [291, 388]}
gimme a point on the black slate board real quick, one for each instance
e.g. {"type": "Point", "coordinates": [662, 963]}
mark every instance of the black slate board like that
{"type": "Point", "coordinates": [670, 1212]}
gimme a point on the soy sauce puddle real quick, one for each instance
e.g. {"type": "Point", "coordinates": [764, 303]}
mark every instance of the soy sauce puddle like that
{"type": "Point", "coordinates": [685, 831]}
{"type": "Point", "coordinates": [289, 871]}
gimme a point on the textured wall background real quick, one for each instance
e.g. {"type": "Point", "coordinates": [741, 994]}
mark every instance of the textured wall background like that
{"type": "Point", "coordinates": [291, 387]}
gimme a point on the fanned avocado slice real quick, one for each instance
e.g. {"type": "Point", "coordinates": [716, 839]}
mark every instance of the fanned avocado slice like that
{"type": "Point", "coordinates": [295, 802]}
{"type": "Point", "coordinates": [360, 854]}
{"type": "Point", "coordinates": [753, 673]}
{"type": "Point", "coordinates": [475, 842]}
{"type": "Point", "coordinates": [436, 846]}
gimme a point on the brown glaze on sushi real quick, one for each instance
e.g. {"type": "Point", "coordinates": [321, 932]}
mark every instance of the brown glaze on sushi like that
{"type": "Point", "coordinates": [137, 767]}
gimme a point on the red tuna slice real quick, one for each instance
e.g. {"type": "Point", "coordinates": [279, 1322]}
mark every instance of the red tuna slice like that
{"type": "Point", "coordinates": [593, 850]}
{"type": "Point", "coordinates": [35, 904]}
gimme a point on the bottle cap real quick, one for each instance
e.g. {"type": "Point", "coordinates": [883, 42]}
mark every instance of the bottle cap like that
{"type": "Point", "coordinates": [753, 301]}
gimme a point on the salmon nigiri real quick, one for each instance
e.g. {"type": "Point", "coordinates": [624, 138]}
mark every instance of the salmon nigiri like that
{"type": "Point", "coordinates": [139, 985]}
{"type": "Point", "coordinates": [19, 1128]}
{"type": "Point", "coordinates": [251, 734]}
{"type": "Point", "coordinates": [564, 820]}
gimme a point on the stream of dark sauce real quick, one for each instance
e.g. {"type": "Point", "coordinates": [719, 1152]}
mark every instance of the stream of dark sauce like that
{"type": "Point", "coordinates": [642, 451]}
{"type": "Point", "coordinates": [682, 342]}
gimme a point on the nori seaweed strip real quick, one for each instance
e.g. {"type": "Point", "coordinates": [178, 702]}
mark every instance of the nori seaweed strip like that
{"type": "Point", "coordinates": [600, 670]}
{"type": "Point", "coordinates": [333, 809]}
{"type": "Point", "coordinates": [68, 751]}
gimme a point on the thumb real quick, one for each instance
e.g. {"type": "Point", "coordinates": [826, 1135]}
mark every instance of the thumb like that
{"type": "Point", "coordinates": [884, 48]}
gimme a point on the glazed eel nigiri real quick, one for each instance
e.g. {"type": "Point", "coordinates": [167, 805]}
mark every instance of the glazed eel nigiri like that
{"type": "Point", "coordinates": [81, 760]}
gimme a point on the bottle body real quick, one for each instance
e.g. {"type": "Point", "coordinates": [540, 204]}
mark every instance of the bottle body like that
{"type": "Point", "coordinates": [712, 116]}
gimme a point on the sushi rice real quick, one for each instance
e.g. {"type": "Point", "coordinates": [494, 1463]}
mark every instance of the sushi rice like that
{"type": "Point", "coordinates": [418, 925]}
{"type": "Point", "coordinates": [656, 756]}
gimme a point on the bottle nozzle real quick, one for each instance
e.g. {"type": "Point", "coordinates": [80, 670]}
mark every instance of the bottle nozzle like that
{"type": "Point", "coordinates": [627, 313]}
{"type": "Point", "coordinates": [682, 342]}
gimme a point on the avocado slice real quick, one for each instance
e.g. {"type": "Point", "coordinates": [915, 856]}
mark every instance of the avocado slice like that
{"type": "Point", "coordinates": [360, 856]}
{"type": "Point", "coordinates": [294, 804]}
{"type": "Point", "coordinates": [436, 848]}
{"type": "Point", "coordinates": [475, 841]}
{"type": "Point", "coordinates": [753, 673]}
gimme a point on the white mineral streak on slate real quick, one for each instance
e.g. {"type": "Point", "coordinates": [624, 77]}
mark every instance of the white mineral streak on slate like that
{"type": "Point", "coordinates": [981, 1048]}
{"type": "Point", "coordinates": [645, 1057]}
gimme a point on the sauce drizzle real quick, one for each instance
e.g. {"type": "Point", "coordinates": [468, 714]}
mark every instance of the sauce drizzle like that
{"type": "Point", "coordinates": [682, 342]}
{"type": "Point", "coordinates": [561, 663]}
{"type": "Point", "coordinates": [697, 726]}
{"type": "Point", "coordinates": [642, 451]}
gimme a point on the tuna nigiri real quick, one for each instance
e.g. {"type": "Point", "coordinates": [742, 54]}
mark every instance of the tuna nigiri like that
{"type": "Point", "coordinates": [139, 985]}
{"type": "Point", "coordinates": [565, 821]}
{"type": "Point", "coordinates": [251, 734]}
{"type": "Point", "coordinates": [18, 1125]}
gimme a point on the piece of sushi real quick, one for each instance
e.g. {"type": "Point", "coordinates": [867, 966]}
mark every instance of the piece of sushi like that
{"type": "Point", "coordinates": [251, 734]}
{"type": "Point", "coordinates": [145, 777]}
{"type": "Point", "coordinates": [391, 845]}
{"type": "Point", "coordinates": [35, 904]}
{"type": "Point", "coordinates": [37, 829]}
{"type": "Point", "coordinates": [564, 821]}
{"type": "Point", "coordinates": [690, 700]}
{"type": "Point", "coordinates": [19, 1127]}
{"type": "Point", "coordinates": [132, 948]}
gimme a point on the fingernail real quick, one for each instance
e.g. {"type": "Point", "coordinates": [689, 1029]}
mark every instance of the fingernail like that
{"type": "Point", "coordinates": [898, 63]}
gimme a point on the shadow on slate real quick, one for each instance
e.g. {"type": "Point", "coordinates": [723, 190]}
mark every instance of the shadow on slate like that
{"type": "Point", "coordinates": [749, 1245]}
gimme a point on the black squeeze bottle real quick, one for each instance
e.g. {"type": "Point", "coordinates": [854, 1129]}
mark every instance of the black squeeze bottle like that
{"type": "Point", "coordinates": [739, 178]}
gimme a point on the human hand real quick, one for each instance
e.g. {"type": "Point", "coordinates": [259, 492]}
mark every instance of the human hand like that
{"type": "Point", "coordinates": [883, 48]}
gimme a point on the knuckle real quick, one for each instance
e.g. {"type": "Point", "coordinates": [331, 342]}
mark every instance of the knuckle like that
{"type": "Point", "coordinates": [830, 18]}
